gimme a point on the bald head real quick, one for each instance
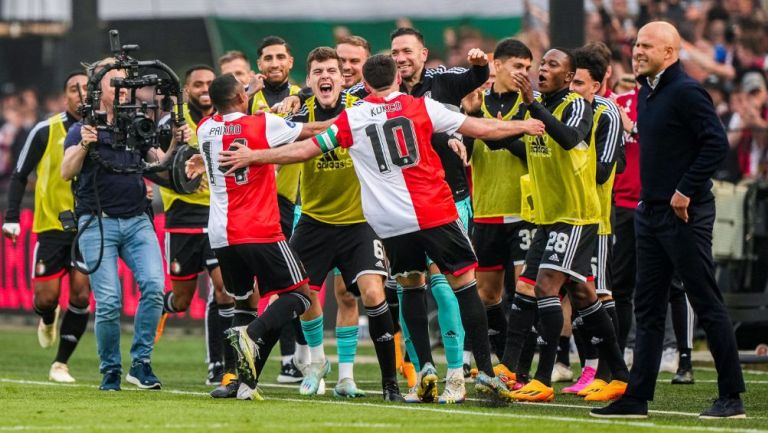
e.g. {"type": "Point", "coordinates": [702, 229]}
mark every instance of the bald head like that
{"type": "Point", "coordinates": [657, 47]}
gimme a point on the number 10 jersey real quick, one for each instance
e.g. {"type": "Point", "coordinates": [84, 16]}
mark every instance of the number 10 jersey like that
{"type": "Point", "coordinates": [401, 177]}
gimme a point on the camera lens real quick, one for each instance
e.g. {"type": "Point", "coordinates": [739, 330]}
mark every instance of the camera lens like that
{"type": "Point", "coordinates": [144, 127]}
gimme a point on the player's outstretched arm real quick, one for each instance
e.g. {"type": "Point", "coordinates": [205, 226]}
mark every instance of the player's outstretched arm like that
{"type": "Point", "coordinates": [239, 156]}
{"type": "Point", "coordinates": [495, 129]}
{"type": "Point", "coordinates": [311, 129]}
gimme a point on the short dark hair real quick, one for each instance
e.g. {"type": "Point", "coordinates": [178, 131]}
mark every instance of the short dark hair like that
{"type": "Point", "coordinates": [74, 74]}
{"type": "Point", "coordinates": [321, 54]}
{"type": "Point", "coordinates": [569, 54]}
{"type": "Point", "coordinates": [273, 40]}
{"type": "Point", "coordinates": [510, 47]}
{"type": "Point", "coordinates": [379, 71]}
{"type": "Point", "coordinates": [403, 31]}
{"type": "Point", "coordinates": [199, 67]}
{"type": "Point", "coordinates": [223, 91]}
{"type": "Point", "coordinates": [232, 55]}
{"type": "Point", "coordinates": [601, 49]}
{"type": "Point", "coordinates": [591, 60]}
{"type": "Point", "coordinates": [357, 41]}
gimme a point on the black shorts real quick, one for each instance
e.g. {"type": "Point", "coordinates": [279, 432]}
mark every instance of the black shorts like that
{"type": "Point", "coordinates": [275, 265]}
{"type": "Point", "coordinates": [601, 264]}
{"type": "Point", "coordinates": [52, 258]}
{"type": "Point", "coordinates": [447, 245]}
{"type": "Point", "coordinates": [188, 254]}
{"type": "Point", "coordinates": [286, 215]}
{"type": "Point", "coordinates": [497, 245]}
{"type": "Point", "coordinates": [561, 247]}
{"type": "Point", "coordinates": [353, 248]}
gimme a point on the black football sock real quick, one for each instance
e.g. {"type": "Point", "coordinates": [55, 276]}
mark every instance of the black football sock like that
{"type": "Point", "coordinates": [48, 315]}
{"type": "Point", "coordinates": [600, 332]}
{"type": "Point", "coordinates": [564, 350]}
{"type": "Point", "coordinates": [214, 332]}
{"type": "Point", "coordinates": [526, 357]}
{"type": "Point", "coordinates": [497, 328]}
{"type": "Point", "coordinates": [475, 325]}
{"type": "Point", "coordinates": [522, 316]}
{"type": "Point", "coordinates": [390, 292]}
{"type": "Point", "coordinates": [265, 331]}
{"type": "Point", "coordinates": [243, 313]}
{"type": "Point", "coordinates": [226, 313]}
{"type": "Point", "coordinates": [299, 332]}
{"type": "Point", "coordinates": [72, 328]}
{"type": "Point", "coordinates": [168, 303]}
{"type": "Point", "coordinates": [288, 340]}
{"type": "Point", "coordinates": [414, 309]}
{"type": "Point", "coordinates": [382, 334]}
{"type": "Point", "coordinates": [550, 326]}
{"type": "Point", "coordinates": [682, 319]}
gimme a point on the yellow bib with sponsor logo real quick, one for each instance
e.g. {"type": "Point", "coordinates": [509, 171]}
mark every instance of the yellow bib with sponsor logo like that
{"type": "Point", "coordinates": [496, 175]}
{"type": "Point", "coordinates": [53, 194]}
{"type": "Point", "coordinates": [563, 181]}
{"type": "Point", "coordinates": [330, 191]}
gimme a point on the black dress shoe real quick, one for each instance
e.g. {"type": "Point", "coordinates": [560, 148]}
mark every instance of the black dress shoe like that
{"type": "Point", "coordinates": [392, 393]}
{"type": "Point", "coordinates": [625, 407]}
{"type": "Point", "coordinates": [725, 407]}
{"type": "Point", "coordinates": [684, 376]}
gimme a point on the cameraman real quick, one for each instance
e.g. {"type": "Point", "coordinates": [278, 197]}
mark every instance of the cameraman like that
{"type": "Point", "coordinates": [112, 208]}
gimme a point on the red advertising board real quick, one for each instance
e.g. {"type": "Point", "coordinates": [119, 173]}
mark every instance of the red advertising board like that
{"type": "Point", "coordinates": [16, 288]}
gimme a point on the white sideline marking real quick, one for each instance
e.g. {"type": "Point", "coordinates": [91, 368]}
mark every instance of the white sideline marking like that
{"type": "Point", "coordinates": [745, 371]}
{"type": "Point", "coordinates": [511, 415]}
{"type": "Point", "coordinates": [130, 427]}
{"type": "Point", "coordinates": [359, 425]}
{"type": "Point", "coordinates": [548, 404]}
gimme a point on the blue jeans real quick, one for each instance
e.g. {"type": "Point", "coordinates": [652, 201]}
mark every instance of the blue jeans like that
{"type": "Point", "coordinates": [134, 240]}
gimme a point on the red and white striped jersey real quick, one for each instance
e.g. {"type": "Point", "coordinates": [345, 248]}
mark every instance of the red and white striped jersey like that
{"type": "Point", "coordinates": [401, 177]}
{"type": "Point", "coordinates": [244, 204]}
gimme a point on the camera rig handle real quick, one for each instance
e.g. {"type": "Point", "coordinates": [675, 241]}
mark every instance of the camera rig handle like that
{"type": "Point", "coordinates": [131, 119]}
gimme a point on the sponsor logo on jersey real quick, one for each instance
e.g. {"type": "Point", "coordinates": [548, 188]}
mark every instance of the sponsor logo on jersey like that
{"type": "Point", "coordinates": [554, 257]}
{"type": "Point", "coordinates": [596, 340]}
{"type": "Point", "coordinates": [539, 147]}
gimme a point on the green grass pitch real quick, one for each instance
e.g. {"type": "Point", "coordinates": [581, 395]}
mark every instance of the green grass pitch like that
{"type": "Point", "coordinates": [29, 403]}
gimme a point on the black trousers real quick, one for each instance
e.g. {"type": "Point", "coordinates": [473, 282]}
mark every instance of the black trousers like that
{"type": "Point", "coordinates": [665, 245]}
{"type": "Point", "coordinates": [624, 270]}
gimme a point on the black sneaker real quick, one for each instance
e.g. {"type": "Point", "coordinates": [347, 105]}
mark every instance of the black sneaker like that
{"type": "Point", "coordinates": [725, 407]}
{"type": "Point", "coordinates": [215, 373]}
{"type": "Point", "coordinates": [467, 371]}
{"type": "Point", "coordinates": [624, 407]}
{"type": "Point", "coordinates": [289, 373]}
{"type": "Point", "coordinates": [226, 391]}
{"type": "Point", "coordinates": [392, 393]}
{"type": "Point", "coordinates": [684, 376]}
{"type": "Point", "coordinates": [110, 381]}
{"type": "Point", "coordinates": [141, 375]}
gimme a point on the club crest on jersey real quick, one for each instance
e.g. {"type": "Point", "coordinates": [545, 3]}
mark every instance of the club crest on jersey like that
{"type": "Point", "coordinates": [40, 268]}
{"type": "Point", "coordinates": [175, 267]}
